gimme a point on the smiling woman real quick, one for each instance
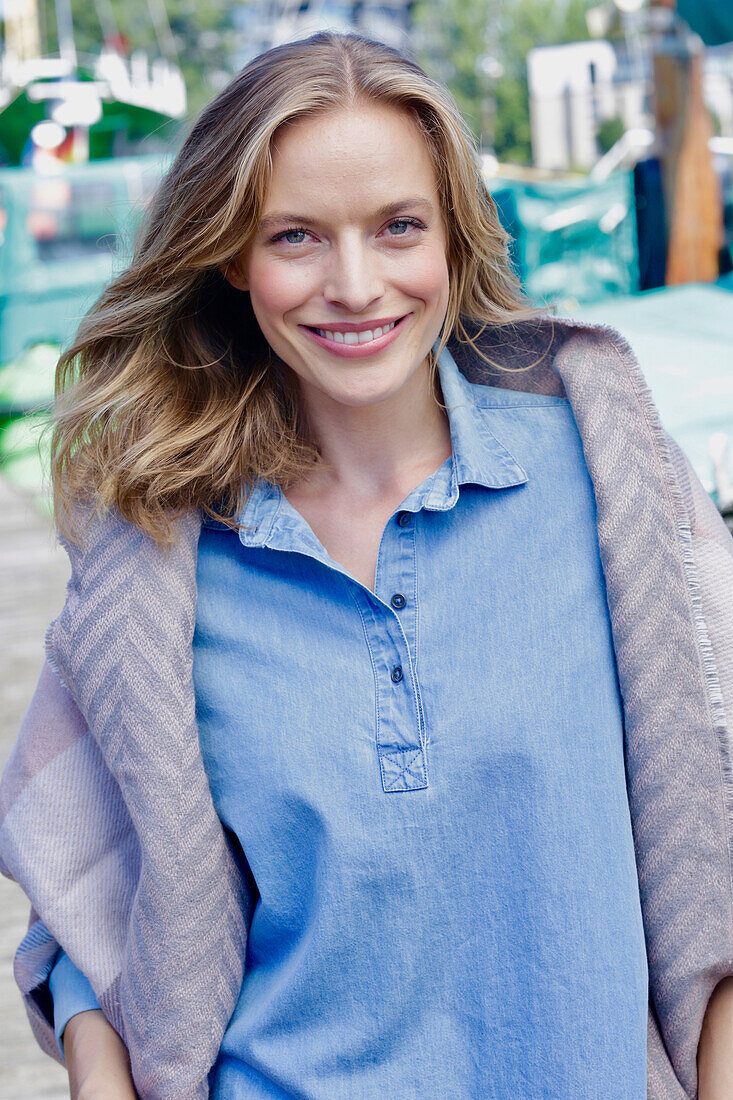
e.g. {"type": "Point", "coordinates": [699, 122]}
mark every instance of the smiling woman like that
{"type": "Point", "coordinates": [356, 279]}
{"type": "Point", "coordinates": [359, 265]}
{"type": "Point", "coordinates": [349, 198]}
{"type": "Point", "coordinates": [382, 747]}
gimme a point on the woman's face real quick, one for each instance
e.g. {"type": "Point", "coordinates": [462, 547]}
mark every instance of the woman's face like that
{"type": "Point", "coordinates": [351, 239]}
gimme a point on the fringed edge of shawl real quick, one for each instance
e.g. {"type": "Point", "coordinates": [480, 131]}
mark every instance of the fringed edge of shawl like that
{"type": "Point", "coordinates": [661, 441]}
{"type": "Point", "coordinates": [705, 646]}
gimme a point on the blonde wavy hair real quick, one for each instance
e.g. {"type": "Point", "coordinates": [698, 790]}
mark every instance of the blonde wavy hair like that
{"type": "Point", "coordinates": [169, 397]}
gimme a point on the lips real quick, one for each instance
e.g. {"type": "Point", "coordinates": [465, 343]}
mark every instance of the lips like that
{"type": "Point", "coordinates": [353, 336]}
{"type": "Point", "coordinates": [357, 326]}
{"type": "Point", "coordinates": [355, 350]}
{"type": "Point", "coordinates": [350, 330]}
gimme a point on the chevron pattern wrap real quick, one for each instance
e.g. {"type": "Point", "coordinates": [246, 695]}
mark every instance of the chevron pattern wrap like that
{"type": "Point", "coordinates": [105, 807]}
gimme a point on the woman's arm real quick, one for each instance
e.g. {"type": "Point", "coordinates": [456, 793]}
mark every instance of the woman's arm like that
{"type": "Point", "coordinates": [715, 1049]}
{"type": "Point", "coordinates": [96, 1058]}
{"type": "Point", "coordinates": [71, 993]}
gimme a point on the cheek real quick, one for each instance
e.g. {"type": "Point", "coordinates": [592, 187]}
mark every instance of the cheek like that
{"type": "Point", "coordinates": [277, 288]}
{"type": "Point", "coordinates": [427, 276]}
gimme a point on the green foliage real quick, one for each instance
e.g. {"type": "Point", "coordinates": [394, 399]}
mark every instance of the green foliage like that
{"type": "Point", "coordinates": [452, 35]}
{"type": "Point", "coordinates": [202, 34]}
{"type": "Point", "coordinates": [610, 131]}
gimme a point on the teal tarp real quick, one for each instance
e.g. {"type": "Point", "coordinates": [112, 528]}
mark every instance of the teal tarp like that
{"type": "Point", "coordinates": [62, 237]}
{"type": "Point", "coordinates": [682, 337]}
{"type": "Point", "coordinates": [574, 240]}
{"type": "Point", "coordinates": [711, 19]}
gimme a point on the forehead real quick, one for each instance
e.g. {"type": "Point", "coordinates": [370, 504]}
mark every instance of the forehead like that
{"type": "Point", "coordinates": [350, 156]}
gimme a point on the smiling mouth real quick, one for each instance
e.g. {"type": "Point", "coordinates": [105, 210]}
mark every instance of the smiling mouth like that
{"type": "Point", "coordinates": [348, 336]}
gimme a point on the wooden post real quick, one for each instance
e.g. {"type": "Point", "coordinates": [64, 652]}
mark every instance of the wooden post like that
{"type": "Point", "coordinates": [693, 202]}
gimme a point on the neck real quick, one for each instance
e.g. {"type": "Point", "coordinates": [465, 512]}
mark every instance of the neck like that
{"type": "Point", "coordinates": [369, 451]}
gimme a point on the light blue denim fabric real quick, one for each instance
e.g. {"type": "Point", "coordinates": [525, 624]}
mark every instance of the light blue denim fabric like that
{"type": "Point", "coordinates": [71, 993]}
{"type": "Point", "coordinates": [427, 782]}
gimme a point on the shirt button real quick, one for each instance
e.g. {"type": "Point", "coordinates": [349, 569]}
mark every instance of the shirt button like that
{"type": "Point", "coordinates": [403, 518]}
{"type": "Point", "coordinates": [398, 600]}
{"type": "Point", "coordinates": [397, 673]}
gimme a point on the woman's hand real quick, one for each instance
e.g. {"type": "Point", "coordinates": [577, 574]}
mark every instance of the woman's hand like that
{"type": "Point", "coordinates": [97, 1059]}
{"type": "Point", "coordinates": [715, 1049]}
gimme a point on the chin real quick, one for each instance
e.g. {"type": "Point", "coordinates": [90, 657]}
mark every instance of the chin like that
{"type": "Point", "coordinates": [369, 393]}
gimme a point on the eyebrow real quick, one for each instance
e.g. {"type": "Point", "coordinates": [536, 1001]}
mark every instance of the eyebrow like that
{"type": "Point", "coordinates": [417, 202]}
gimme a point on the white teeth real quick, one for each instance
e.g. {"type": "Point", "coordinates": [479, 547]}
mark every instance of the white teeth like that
{"type": "Point", "coordinates": [356, 337]}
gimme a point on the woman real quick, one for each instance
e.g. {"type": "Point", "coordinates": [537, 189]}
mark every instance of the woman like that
{"type": "Point", "coordinates": [328, 796]}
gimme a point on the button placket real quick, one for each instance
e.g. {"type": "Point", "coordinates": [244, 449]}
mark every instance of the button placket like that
{"type": "Point", "coordinates": [397, 573]}
{"type": "Point", "coordinates": [401, 746]}
{"type": "Point", "coordinates": [403, 579]}
{"type": "Point", "coordinates": [399, 741]}
{"type": "Point", "coordinates": [399, 728]}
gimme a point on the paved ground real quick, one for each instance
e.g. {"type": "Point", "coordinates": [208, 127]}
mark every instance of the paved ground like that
{"type": "Point", "coordinates": [34, 572]}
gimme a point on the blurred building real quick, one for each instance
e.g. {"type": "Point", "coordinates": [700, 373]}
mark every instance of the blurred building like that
{"type": "Point", "coordinates": [575, 88]}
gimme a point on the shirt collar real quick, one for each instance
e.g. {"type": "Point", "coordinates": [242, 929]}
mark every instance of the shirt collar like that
{"type": "Point", "coordinates": [478, 458]}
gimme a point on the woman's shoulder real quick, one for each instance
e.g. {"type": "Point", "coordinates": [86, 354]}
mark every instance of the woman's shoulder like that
{"type": "Point", "coordinates": [540, 355]}
{"type": "Point", "coordinates": [88, 530]}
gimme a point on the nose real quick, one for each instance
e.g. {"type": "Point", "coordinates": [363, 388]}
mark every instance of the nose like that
{"type": "Point", "coordinates": [353, 277]}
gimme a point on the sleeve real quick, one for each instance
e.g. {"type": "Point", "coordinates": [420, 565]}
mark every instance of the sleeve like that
{"type": "Point", "coordinates": [71, 993]}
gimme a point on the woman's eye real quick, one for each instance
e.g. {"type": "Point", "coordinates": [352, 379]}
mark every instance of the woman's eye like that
{"type": "Point", "coordinates": [295, 232]}
{"type": "Point", "coordinates": [404, 224]}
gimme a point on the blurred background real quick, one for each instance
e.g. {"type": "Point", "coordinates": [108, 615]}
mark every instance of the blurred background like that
{"type": "Point", "coordinates": [606, 138]}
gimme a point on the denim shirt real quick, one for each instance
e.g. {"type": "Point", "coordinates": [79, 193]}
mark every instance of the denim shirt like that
{"type": "Point", "coordinates": [427, 783]}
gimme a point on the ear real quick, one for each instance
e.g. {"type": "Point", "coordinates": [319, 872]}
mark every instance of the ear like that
{"type": "Point", "coordinates": [233, 275]}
